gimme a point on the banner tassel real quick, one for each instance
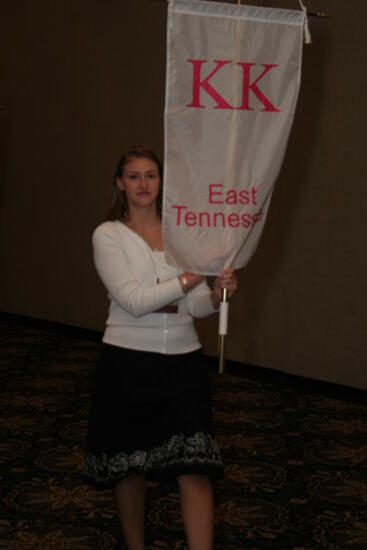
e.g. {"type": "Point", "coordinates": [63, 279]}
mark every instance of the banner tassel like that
{"type": "Point", "coordinates": [308, 39]}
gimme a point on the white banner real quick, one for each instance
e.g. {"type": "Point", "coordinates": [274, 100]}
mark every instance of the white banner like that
{"type": "Point", "coordinates": [233, 75]}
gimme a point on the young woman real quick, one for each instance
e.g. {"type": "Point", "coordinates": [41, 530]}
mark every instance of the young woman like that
{"type": "Point", "coordinates": [151, 413]}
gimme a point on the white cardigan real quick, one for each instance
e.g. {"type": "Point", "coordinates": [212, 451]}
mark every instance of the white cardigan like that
{"type": "Point", "coordinates": [130, 271]}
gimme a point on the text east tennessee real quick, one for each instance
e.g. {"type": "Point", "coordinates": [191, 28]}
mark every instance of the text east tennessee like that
{"type": "Point", "coordinates": [219, 219]}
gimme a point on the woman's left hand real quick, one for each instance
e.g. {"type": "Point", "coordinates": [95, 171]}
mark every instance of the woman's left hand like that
{"type": "Point", "coordinates": [228, 280]}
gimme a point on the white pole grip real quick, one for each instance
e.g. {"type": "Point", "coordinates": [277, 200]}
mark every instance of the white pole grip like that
{"type": "Point", "coordinates": [223, 318]}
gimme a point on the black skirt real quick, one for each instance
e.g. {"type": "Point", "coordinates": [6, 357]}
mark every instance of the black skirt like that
{"type": "Point", "coordinates": [150, 414]}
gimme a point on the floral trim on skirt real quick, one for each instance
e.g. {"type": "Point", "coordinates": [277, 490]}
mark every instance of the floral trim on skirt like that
{"type": "Point", "coordinates": [196, 454]}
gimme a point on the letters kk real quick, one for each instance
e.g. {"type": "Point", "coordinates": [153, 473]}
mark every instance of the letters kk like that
{"type": "Point", "coordinates": [200, 83]}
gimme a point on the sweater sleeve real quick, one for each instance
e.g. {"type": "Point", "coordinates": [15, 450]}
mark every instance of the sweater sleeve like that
{"type": "Point", "coordinates": [116, 269]}
{"type": "Point", "coordinates": [199, 301]}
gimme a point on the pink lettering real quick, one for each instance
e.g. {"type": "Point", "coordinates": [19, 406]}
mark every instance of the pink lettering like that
{"type": "Point", "coordinates": [253, 195]}
{"type": "Point", "coordinates": [215, 219]}
{"type": "Point", "coordinates": [201, 216]}
{"type": "Point", "coordinates": [257, 217]}
{"type": "Point", "coordinates": [244, 198]}
{"type": "Point", "coordinates": [190, 219]}
{"type": "Point", "coordinates": [179, 208]}
{"type": "Point", "coordinates": [231, 197]}
{"type": "Point", "coordinates": [245, 220]}
{"type": "Point", "coordinates": [212, 193]}
{"type": "Point", "coordinates": [233, 220]}
{"type": "Point", "coordinates": [247, 86]}
{"type": "Point", "coordinates": [197, 84]}
{"type": "Point", "coordinates": [221, 215]}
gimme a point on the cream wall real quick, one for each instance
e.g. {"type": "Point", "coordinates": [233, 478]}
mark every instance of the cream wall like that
{"type": "Point", "coordinates": [83, 80]}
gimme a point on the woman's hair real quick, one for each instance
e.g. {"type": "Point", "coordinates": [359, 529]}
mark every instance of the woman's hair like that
{"type": "Point", "coordinates": [120, 208]}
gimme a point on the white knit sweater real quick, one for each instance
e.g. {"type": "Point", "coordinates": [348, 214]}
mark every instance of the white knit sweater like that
{"type": "Point", "coordinates": [130, 271]}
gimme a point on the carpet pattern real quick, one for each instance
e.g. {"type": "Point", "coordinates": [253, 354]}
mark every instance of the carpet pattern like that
{"type": "Point", "coordinates": [295, 457]}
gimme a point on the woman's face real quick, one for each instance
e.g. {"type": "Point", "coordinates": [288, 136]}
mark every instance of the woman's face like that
{"type": "Point", "coordinates": [140, 181]}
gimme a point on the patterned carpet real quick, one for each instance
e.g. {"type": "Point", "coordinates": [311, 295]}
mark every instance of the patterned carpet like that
{"type": "Point", "coordinates": [295, 456]}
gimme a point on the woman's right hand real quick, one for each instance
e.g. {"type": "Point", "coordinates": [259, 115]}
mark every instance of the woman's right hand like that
{"type": "Point", "coordinates": [228, 279]}
{"type": "Point", "coordinates": [189, 280]}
